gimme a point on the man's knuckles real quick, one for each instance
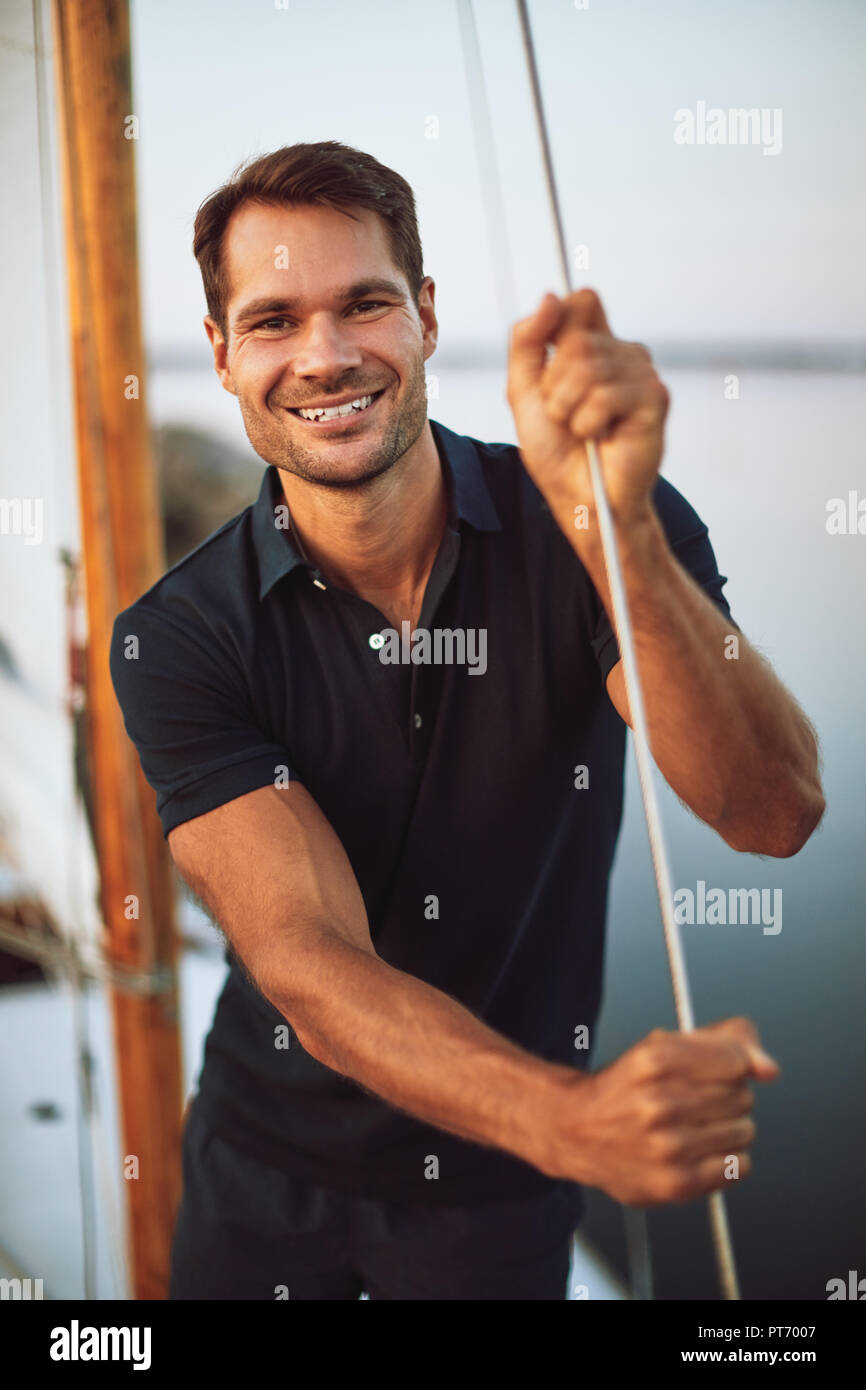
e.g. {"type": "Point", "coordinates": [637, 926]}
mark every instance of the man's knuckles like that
{"type": "Point", "coordinates": [739, 1027]}
{"type": "Point", "coordinates": [599, 412]}
{"type": "Point", "coordinates": [677, 1184]}
{"type": "Point", "coordinates": [673, 1180]}
{"type": "Point", "coordinates": [680, 1182]}
{"type": "Point", "coordinates": [564, 384]}
{"type": "Point", "coordinates": [743, 1133]}
{"type": "Point", "coordinates": [705, 1049]}
{"type": "Point", "coordinates": [657, 1107]}
{"type": "Point", "coordinates": [657, 1057]}
{"type": "Point", "coordinates": [584, 306]}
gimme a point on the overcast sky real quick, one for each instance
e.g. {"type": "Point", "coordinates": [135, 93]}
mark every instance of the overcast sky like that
{"type": "Point", "coordinates": [703, 241]}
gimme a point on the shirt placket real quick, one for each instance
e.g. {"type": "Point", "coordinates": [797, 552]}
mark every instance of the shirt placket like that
{"type": "Point", "coordinates": [402, 691]}
{"type": "Point", "coordinates": [424, 683]}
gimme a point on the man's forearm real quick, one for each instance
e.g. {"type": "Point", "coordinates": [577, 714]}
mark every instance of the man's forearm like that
{"type": "Point", "coordinates": [725, 732]}
{"type": "Point", "coordinates": [423, 1052]}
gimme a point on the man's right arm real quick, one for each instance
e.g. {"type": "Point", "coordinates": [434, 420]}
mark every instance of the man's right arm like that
{"type": "Point", "coordinates": [653, 1127]}
{"type": "Point", "coordinates": [271, 869]}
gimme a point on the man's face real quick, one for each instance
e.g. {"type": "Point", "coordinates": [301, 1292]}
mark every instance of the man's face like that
{"type": "Point", "coordinates": [319, 315]}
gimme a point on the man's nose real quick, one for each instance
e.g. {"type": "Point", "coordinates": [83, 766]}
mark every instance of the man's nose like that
{"type": "Point", "coordinates": [324, 348]}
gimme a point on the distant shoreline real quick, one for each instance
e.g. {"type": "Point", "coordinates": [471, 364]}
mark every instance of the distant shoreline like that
{"type": "Point", "coordinates": [691, 354]}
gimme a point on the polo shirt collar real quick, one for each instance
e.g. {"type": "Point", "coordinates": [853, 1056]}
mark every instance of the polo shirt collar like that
{"type": "Point", "coordinates": [469, 500]}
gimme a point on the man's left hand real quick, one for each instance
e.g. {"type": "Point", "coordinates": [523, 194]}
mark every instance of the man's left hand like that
{"type": "Point", "coordinates": [593, 386]}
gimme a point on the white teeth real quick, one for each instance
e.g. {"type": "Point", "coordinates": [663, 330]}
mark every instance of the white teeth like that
{"type": "Point", "coordinates": [323, 413]}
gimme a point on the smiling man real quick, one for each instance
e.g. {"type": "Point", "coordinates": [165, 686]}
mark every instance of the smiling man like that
{"type": "Point", "coordinates": [410, 865]}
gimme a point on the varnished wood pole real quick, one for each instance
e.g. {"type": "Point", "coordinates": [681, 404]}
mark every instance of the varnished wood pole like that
{"type": "Point", "coordinates": [123, 555]}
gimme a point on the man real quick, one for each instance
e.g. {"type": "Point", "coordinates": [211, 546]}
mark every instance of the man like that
{"type": "Point", "coordinates": [384, 715]}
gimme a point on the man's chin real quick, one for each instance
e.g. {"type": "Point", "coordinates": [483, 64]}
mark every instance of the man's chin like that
{"type": "Point", "coordinates": [339, 464]}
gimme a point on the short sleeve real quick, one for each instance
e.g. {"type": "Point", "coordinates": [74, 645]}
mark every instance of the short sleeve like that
{"type": "Point", "coordinates": [187, 710]}
{"type": "Point", "coordinates": [689, 540]}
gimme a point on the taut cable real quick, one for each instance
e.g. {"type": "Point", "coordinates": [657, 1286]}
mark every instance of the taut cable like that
{"type": "Point", "coordinates": [676, 957]}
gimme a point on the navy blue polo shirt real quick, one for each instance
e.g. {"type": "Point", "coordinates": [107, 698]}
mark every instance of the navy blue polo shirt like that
{"type": "Point", "coordinates": [481, 849]}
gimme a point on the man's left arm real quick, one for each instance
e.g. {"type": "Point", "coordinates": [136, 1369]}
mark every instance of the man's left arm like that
{"type": "Point", "coordinates": [726, 734]}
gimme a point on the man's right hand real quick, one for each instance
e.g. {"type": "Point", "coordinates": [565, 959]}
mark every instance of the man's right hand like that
{"type": "Point", "coordinates": [660, 1123]}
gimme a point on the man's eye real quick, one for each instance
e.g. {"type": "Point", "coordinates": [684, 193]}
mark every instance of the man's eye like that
{"type": "Point", "coordinates": [364, 304]}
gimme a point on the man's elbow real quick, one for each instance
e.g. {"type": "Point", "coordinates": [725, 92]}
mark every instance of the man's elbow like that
{"type": "Point", "coordinates": [810, 817]}
{"type": "Point", "coordinates": [781, 836]}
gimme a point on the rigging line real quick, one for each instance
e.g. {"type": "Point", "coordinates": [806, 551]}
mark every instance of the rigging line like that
{"type": "Point", "coordinates": [637, 1237]}
{"type": "Point", "coordinates": [676, 958]}
{"type": "Point", "coordinates": [488, 165]}
{"type": "Point", "coordinates": [638, 1254]}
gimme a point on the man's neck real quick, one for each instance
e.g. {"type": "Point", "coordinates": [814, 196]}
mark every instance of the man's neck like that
{"type": "Point", "coordinates": [380, 541]}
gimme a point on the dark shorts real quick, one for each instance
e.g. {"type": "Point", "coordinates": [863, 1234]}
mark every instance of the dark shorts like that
{"type": "Point", "coordinates": [248, 1231]}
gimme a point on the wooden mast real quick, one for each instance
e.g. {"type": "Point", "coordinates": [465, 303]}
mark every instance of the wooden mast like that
{"type": "Point", "coordinates": [123, 555]}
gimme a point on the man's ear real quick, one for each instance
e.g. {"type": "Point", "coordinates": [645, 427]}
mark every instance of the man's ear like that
{"type": "Point", "coordinates": [220, 353]}
{"type": "Point", "coordinates": [427, 314]}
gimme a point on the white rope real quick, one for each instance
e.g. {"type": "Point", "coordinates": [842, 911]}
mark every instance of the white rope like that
{"type": "Point", "coordinates": [622, 620]}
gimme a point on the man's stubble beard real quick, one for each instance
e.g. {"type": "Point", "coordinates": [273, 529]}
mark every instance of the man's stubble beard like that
{"type": "Point", "coordinates": [273, 444]}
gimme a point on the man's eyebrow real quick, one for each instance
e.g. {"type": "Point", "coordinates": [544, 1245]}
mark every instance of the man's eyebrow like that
{"type": "Point", "coordinates": [360, 290]}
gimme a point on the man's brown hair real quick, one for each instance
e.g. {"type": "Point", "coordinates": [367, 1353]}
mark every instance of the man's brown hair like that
{"type": "Point", "coordinates": [327, 173]}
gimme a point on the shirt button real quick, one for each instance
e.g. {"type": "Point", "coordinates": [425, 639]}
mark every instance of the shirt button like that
{"type": "Point", "coordinates": [376, 640]}
{"type": "Point", "coordinates": [417, 721]}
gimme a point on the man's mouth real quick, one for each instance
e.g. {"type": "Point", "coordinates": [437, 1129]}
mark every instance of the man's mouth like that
{"type": "Point", "coordinates": [336, 414]}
